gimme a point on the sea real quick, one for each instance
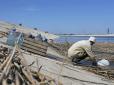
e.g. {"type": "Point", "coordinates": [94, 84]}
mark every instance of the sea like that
{"type": "Point", "coordinates": [72, 39]}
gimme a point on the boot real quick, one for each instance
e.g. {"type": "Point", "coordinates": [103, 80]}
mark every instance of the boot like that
{"type": "Point", "coordinates": [75, 61]}
{"type": "Point", "coordinates": [94, 63]}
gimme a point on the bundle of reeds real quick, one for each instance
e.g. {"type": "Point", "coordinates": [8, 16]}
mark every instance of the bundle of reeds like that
{"type": "Point", "coordinates": [14, 70]}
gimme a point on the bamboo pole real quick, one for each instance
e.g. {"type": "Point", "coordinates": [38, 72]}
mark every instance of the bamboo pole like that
{"type": "Point", "coordinates": [27, 76]}
{"type": "Point", "coordinates": [4, 82]}
{"type": "Point", "coordinates": [28, 70]}
{"type": "Point", "coordinates": [8, 63]}
{"type": "Point", "coordinates": [17, 79]}
{"type": "Point", "coordinates": [4, 63]}
{"type": "Point", "coordinates": [21, 77]}
{"type": "Point", "coordinates": [13, 83]}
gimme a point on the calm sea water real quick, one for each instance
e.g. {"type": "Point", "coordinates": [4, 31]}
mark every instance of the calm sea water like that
{"type": "Point", "coordinates": [74, 39]}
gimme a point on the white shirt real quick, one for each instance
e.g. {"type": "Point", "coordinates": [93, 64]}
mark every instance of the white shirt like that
{"type": "Point", "coordinates": [81, 47]}
{"type": "Point", "coordinates": [34, 33]}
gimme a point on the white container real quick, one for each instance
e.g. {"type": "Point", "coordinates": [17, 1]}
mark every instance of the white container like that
{"type": "Point", "coordinates": [103, 62]}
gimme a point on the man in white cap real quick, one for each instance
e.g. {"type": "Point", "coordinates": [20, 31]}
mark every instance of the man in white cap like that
{"type": "Point", "coordinates": [81, 50]}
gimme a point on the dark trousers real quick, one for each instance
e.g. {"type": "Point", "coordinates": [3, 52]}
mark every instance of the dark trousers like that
{"type": "Point", "coordinates": [77, 58]}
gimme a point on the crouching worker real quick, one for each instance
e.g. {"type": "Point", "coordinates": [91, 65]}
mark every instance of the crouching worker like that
{"type": "Point", "coordinates": [81, 50]}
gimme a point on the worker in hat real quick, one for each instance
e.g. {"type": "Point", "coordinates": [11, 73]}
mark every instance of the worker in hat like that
{"type": "Point", "coordinates": [81, 50]}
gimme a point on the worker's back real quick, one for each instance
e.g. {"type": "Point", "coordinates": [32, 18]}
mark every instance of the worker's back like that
{"type": "Point", "coordinates": [78, 47]}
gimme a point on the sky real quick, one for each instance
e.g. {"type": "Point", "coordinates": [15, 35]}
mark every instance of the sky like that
{"type": "Point", "coordinates": [61, 16]}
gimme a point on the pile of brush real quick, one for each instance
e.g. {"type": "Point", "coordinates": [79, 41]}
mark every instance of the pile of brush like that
{"type": "Point", "coordinates": [14, 70]}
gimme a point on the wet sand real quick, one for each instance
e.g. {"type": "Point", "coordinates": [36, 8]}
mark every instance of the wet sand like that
{"type": "Point", "coordinates": [104, 50]}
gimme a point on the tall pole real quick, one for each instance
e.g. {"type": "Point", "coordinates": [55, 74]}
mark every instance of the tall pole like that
{"type": "Point", "coordinates": [108, 31]}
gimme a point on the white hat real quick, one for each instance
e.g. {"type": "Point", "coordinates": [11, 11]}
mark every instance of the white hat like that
{"type": "Point", "coordinates": [93, 39]}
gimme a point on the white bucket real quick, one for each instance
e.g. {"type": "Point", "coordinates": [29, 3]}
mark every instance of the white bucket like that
{"type": "Point", "coordinates": [103, 62]}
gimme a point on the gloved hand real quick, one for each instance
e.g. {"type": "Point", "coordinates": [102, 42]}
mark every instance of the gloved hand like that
{"type": "Point", "coordinates": [94, 63]}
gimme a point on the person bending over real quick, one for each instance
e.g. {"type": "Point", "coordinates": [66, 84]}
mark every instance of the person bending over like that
{"type": "Point", "coordinates": [81, 50]}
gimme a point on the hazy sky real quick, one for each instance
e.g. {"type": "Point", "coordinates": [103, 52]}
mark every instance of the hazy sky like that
{"type": "Point", "coordinates": [60, 16]}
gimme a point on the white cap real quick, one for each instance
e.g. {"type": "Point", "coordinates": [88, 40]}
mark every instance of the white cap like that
{"type": "Point", "coordinates": [93, 39]}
